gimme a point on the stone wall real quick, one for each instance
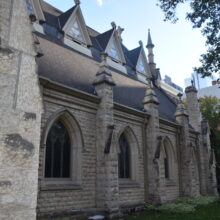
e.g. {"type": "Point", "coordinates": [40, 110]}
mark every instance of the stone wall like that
{"type": "Point", "coordinates": [131, 191]}
{"type": "Point", "coordinates": [72, 200]}
{"type": "Point", "coordinates": [170, 188]}
{"type": "Point", "coordinates": [20, 114]}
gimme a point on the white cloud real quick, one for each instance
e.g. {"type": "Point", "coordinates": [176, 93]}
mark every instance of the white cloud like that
{"type": "Point", "coordinates": [99, 2]}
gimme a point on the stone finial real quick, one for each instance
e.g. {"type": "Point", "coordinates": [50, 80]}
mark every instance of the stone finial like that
{"type": "Point", "coordinates": [113, 24]}
{"type": "Point", "coordinates": [120, 30]}
{"type": "Point", "coordinates": [77, 2]}
{"type": "Point", "coordinates": [104, 75]}
{"type": "Point", "coordinates": [140, 43]}
{"type": "Point", "coordinates": [180, 110]}
{"type": "Point", "coordinates": [180, 96]}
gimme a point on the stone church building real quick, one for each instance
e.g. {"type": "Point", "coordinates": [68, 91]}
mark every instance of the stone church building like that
{"type": "Point", "coordinates": [85, 126]}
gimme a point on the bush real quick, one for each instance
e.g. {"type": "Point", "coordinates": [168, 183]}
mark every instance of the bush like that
{"type": "Point", "coordinates": [183, 205]}
{"type": "Point", "coordinates": [203, 200]}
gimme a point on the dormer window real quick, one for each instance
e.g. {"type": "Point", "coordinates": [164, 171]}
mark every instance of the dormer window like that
{"type": "Point", "coordinates": [76, 32]}
{"type": "Point", "coordinates": [113, 52]}
{"type": "Point", "coordinates": [140, 67]}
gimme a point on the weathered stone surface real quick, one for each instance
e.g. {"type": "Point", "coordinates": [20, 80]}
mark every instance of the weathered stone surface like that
{"type": "Point", "coordinates": [20, 94]}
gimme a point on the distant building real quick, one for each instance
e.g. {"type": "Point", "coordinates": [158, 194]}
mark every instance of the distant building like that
{"type": "Point", "coordinates": [213, 90]}
{"type": "Point", "coordinates": [168, 81]}
{"type": "Point", "coordinates": [199, 82]}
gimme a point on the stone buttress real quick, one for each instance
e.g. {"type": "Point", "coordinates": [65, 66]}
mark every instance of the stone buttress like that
{"type": "Point", "coordinates": [107, 192]}
{"type": "Point", "coordinates": [20, 114]}
{"type": "Point", "coordinates": [182, 118]}
{"type": "Point", "coordinates": [205, 153]}
{"type": "Point", "coordinates": [151, 103]}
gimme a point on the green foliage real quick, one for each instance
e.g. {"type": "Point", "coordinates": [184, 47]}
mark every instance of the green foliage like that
{"type": "Point", "coordinates": [204, 14]}
{"type": "Point", "coordinates": [183, 205]}
{"type": "Point", "coordinates": [210, 109]}
{"type": "Point", "coordinates": [177, 208]}
{"type": "Point", "coordinates": [209, 212]}
{"type": "Point", "coordinates": [203, 200]}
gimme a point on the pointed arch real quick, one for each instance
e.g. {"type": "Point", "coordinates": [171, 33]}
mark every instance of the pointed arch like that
{"type": "Point", "coordinates": [69, 120]}
{"type": "Point", "coordinates": [65, 120]}
{"type": "Point", "coordinates": [194, 171]}
{"type": "Point", "coordinates": [169, 159]}
{"type": "Point", "coordinates": [131, 143]}
{"type": "Point", "coordinates": [130, 135]}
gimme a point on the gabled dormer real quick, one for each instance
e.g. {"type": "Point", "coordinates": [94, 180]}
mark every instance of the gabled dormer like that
{"type": "Point", "coordinates": [110, 44]}
{"type": "Point", "coordinates": [113, 46]}
{"type": "Point", "coordinates": [73, 25]}
{"type": "Point", "coordinates": [142, 65]}
{"type": "Point", "coordinates": [36, 14]}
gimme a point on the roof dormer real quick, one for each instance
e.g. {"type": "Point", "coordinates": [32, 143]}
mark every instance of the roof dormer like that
{"type": "Point", "coordinates": [142, 68]}
{"type": "Point", "coordinates": [142, 65]}
{"type": "Point", "coordinates": [74, 27]}
{"type": "Point", "coordinates": [110, 43]}
{"type": "Point", "coordinates": [113, 47]}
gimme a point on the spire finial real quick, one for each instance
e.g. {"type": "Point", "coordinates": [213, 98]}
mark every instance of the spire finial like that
{"type": "Point", "coordinates": [77, 2]}
{"type": "Point", "coordinates": [149, 40]}
{"type": "Point", "coordinates": [140, 43]}
{"type": "Point", "coordinates": [120, 30]}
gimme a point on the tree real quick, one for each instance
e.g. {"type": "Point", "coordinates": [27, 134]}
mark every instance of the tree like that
{"type": "Point", "coordinates": [204, 14]}
{"type": "Point", "coordinates": [210, 109]}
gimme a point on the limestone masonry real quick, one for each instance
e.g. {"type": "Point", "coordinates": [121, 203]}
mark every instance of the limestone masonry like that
{"type": "Point", "coordinates": [85, 126]}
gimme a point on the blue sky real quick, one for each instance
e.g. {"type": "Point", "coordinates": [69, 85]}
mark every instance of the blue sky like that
{"type": "Point", "coordinates": [177, 46]}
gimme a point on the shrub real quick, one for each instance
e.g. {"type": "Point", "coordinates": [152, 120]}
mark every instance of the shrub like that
{"type": "Point", "coordinates": [203, 200]}
{"type": "Point", "coordinates": [183, 205]}
{"type": "Point", "coordinates": [176, 208]}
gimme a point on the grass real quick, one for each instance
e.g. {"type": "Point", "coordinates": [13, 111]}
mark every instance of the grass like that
{"type": "Point", "coordinates": [202, 212]}
{"type": "Point", "coordinates": [201, 208]}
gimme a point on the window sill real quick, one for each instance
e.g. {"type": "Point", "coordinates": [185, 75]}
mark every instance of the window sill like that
{"type": "Point", "coordinates": [59, 185]}
{"type": "Point", "coordinates": [128, 183]}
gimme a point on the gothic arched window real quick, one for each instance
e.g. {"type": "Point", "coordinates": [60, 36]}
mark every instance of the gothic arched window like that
{"type": "Point", "coordinates": [58, 151]}
{"type": "Point", "coordinates": [166, 163]}
{"type": "Point", "coordinates": [123, 158]}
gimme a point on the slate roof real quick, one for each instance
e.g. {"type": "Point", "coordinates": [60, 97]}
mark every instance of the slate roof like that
{"type": "Point", "coordinates": [63, 18]}
{"type": "Point", "coordinates": [104, 38]}
{"type": "Point", "coordinates": [134, 55]}
{"type": "Point", "coordinates": [66, 66]}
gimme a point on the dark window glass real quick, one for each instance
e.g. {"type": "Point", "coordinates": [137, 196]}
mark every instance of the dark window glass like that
{"type": "Point", "coordinates": [123, 158]}
{"type": "Point", "coordinates": [166, 165]}
{"type": "Point", "coordinates": [57, 162]}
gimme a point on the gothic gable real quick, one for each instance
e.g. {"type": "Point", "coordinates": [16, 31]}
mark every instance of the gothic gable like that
{"type": "Point", "coordinates": [142, 65]}
{"type": "Point", "coordinates": [73, 25]}
{"type": "Point", "coordinates": [114, 48]}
